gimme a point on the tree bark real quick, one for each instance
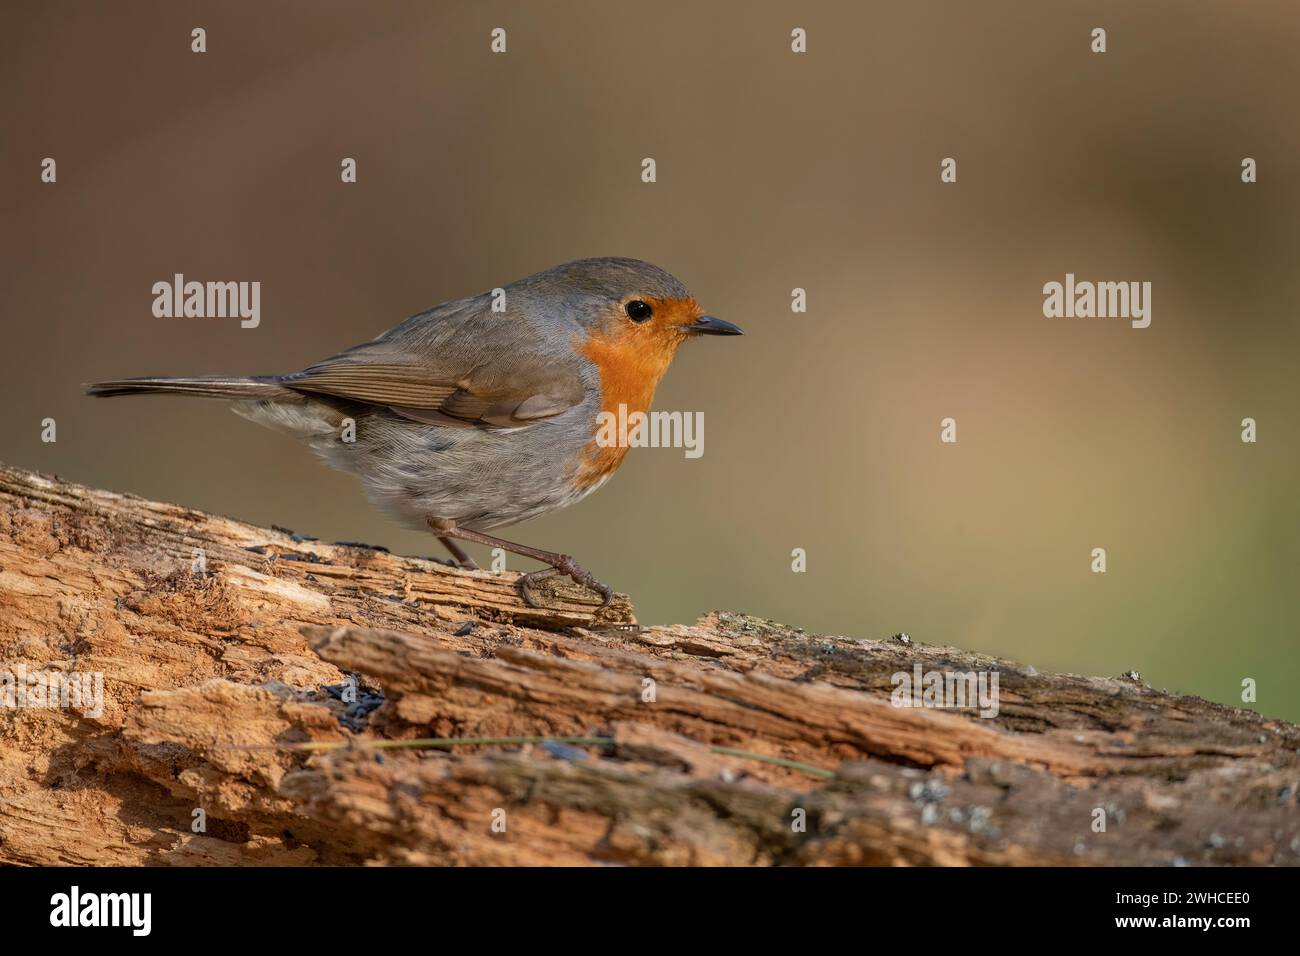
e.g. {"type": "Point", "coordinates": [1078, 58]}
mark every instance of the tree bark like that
{"type": "Point", "coordinates": [734, 740]}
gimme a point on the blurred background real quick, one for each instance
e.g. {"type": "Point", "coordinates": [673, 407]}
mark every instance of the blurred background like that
{"type": "Point", "coordinates": [775, 171]}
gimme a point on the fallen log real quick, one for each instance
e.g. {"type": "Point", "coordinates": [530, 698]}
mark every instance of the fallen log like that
{"type": "Point", "coordinates": [269, 699]}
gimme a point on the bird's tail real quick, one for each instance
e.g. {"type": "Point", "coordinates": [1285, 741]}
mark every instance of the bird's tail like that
{"type": "Point", "coordinates": [207, 386]}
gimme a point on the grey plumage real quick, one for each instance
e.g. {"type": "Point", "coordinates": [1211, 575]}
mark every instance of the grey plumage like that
{"type": "Point", "coordinates": [461, 413]}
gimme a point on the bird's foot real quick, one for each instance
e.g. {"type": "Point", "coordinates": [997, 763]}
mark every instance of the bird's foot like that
{"type": "Point", "coordinates": [563, 564]}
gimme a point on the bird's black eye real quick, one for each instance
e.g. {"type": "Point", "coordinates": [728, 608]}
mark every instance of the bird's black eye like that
{"type": "Point", "coordinates": [638, 311]}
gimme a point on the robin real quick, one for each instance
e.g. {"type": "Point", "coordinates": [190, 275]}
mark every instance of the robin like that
{"type": "Point", "coordinates": [482, 412]}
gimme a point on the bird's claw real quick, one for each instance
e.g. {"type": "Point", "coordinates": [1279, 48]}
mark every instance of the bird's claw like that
{"type": "Point", "coordinates": [567, 566]}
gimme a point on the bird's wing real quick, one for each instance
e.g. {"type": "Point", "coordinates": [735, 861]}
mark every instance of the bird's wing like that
{"type": "Point", "coordinates": [459, 364]}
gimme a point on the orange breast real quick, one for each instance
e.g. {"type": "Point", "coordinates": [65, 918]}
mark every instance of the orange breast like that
{"type": "Point", "coordinates": [631, 360]}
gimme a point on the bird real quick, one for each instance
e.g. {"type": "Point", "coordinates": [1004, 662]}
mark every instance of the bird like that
{"type": "Point", "coordinates": [482, 412]}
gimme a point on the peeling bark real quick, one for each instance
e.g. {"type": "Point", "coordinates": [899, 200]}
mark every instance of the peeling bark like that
{"type": "Point", "coordinates": [215, 677]}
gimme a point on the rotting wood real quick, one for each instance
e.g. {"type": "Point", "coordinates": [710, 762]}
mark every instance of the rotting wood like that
{"type": "Point", "coordinates": [208, 675]}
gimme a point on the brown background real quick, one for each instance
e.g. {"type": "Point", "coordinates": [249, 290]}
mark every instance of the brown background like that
{"type": "Point", "coordinates": [775, 171]}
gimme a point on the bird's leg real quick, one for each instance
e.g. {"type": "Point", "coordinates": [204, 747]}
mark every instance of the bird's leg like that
{"type": "Point", "coordinates": [559, 563]}
{"type": "Point", "coordinates": [459, 553]}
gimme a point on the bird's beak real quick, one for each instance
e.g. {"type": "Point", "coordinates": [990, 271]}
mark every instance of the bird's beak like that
{"type": "Point", "coordinates": [708, 325]}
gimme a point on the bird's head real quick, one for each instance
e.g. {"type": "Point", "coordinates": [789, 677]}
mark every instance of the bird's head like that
{"type": "Point", "coordinates": [631, 317]}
